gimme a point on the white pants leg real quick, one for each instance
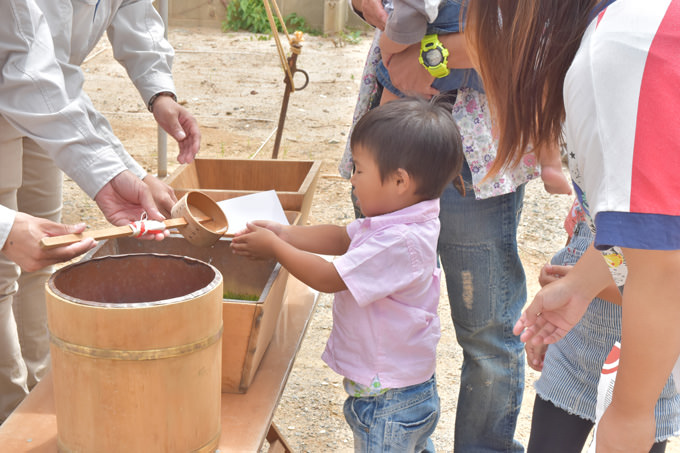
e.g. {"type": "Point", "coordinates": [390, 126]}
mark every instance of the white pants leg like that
{"type": "Point", "coordinates": [30, 183]}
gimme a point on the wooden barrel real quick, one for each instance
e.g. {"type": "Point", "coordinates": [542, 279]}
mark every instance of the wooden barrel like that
{"type": "Point", "coordinates": [136, 354]}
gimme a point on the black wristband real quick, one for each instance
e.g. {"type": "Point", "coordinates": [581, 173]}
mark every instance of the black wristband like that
{"type": "Point", "coordinates": [160, 93]}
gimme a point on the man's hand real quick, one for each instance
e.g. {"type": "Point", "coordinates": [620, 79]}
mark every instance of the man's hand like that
{"type": "Point", "coordinates": [23, 243]}
{"type": "Point", "coordinates": [180, 124]}
{"type": "Point", "coordinates": [162, 193]}
{"type": "Point", "coordinates": [125, 199]}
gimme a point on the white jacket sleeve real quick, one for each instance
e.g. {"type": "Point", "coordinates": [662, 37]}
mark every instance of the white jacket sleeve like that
{"type": "Point", "coordinates": [7, 216]}
{"type": "Point", "coordinates": [137, 38]}
{"type": "Point", "coordinates": [33, 99]}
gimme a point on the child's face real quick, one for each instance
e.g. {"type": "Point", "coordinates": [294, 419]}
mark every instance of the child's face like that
{"type": "Point", "coordinates": [373, 197]}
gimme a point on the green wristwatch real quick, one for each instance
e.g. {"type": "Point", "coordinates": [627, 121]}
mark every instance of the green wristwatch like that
{"type": "Point", "coordinates": [434, 56]}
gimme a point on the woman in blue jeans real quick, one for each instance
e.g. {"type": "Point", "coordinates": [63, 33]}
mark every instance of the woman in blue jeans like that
{"type": "Point", "coordinates": [478, 253]}
{"type": "Point", "coordinates": [487, 290]}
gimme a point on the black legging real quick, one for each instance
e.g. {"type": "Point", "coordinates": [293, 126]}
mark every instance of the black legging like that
{"type": "Point", "coordinates": [556, 431]}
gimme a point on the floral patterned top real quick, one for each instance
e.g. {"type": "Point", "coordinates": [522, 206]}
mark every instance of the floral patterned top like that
{"type": "Point", "coordinates": [471, 113]}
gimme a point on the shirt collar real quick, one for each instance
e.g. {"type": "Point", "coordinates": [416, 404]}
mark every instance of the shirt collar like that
{"type": "Point", "coordinates": [417, 213]}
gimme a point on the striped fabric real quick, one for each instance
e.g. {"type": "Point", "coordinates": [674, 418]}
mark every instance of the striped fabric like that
{"type": "Point", "coordinates": [572, 366]}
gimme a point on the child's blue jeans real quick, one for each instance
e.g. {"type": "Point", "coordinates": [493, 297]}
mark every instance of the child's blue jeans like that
{"type": "Point", "coordinates": [399, 420]}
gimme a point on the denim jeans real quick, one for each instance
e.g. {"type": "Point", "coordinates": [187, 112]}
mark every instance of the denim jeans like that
{"type": "Point", "coordinates": [487, 290]}
{"type": "Point", "coordinates": [400, 420]}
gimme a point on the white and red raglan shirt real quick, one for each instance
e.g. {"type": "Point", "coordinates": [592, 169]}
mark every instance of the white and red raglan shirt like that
{"type": "Point", "coordinates": [622, 100]}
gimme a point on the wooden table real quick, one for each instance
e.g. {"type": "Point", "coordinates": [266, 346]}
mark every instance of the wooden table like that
{"type": "Point", "coordinates": [246, 418]}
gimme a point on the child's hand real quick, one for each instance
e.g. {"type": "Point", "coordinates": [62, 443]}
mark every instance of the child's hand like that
{"type": "Point", "coordinates": [550, 273]}
{"type": "Point", "coordinates": [256, 242]}
{"type": "Point", "coordinates": [272, 226]}
{"type": "Point", "coordinates": [535, 355]}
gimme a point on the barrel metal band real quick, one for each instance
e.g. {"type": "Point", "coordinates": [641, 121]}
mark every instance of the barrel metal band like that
{"type": "Point", "coordinates": [209, 447]}
{"type": "Point", "coordinates": [145, 354]}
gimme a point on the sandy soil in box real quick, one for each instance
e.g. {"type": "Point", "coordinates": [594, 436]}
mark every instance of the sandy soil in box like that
{"type": "Point", "coordinates": [233, 84]}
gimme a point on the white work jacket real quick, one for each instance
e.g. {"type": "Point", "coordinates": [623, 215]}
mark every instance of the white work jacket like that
{"type": "Point", "coordinates": [42, 97]}
{"type": "Point", "coordinates": [136, 33]}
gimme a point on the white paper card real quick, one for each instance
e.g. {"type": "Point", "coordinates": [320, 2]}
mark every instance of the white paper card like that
{"type": "Point", "coordinates": [257, 206]}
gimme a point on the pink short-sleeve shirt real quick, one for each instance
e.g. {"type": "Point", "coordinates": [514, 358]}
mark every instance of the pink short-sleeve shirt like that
{"type": "Point", "coordinates": [385, 324]}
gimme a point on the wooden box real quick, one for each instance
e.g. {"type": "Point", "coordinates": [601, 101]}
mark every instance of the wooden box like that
{"type": "Point", "coordinates": [293, 180]}
{"type": "Point", "coordinates": [252, 299]}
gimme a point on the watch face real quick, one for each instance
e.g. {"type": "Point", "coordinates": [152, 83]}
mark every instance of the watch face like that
{"type": "Point", "coordinates": [433, 57]}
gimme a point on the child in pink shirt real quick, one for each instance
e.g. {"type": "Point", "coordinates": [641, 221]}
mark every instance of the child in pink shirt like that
{"type": "Point", "coordinates": [385, 279]}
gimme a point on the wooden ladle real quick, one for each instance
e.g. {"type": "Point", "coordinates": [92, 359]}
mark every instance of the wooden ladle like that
{"type": "Point", "coordinates": [197, 217]}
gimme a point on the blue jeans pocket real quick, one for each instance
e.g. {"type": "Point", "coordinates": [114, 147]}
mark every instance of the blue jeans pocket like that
{"type": "Point", "coordinates": [359, 412]}
{"type": "Point", "coordinates": [399, 420]}
{"type": "Point", "coordinates": [411, 435]}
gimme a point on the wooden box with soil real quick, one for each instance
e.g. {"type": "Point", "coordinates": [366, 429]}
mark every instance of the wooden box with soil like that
{"type": "Point", "coordinates": [293, 180]}
{"type": "Point", "coordinates": [252, 298]}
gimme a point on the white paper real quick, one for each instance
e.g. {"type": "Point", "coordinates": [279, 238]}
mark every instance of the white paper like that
{"type": "Point", "coordinates": [257, 206]}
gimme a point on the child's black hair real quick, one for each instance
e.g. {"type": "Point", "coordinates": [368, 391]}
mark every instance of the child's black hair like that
{"type": "Point", "coordinates": [416, 135]}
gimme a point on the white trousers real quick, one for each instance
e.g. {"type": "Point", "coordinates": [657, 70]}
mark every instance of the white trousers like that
{"type": "Point", "coordinates": [29, 183]}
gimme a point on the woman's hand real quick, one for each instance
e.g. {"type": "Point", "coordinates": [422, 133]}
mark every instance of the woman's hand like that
{"type": "Point", "coordinates": [408, 75]}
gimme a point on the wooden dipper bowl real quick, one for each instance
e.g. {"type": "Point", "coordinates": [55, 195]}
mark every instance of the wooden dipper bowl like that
{"type": "Point", "coordinates": [205, 221]}
{"type": "Point", "coordinates": [197, 217]}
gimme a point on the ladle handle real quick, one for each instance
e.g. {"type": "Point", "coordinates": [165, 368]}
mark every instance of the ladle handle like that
{"type": "Point", "coordinates": [104, 233]}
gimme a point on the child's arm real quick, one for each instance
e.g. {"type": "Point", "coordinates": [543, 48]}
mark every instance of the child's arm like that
{"type": "Point", "coordinates": [321, 239]}
{"type": "Point", "coordinates": [280, 242]}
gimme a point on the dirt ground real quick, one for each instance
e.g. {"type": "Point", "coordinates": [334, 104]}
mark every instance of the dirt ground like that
{"type": "Point", "coordinates": [233, 84]}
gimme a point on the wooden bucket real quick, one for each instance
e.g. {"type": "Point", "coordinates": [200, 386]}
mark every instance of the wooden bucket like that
{"type": "Point", "coordinates": [136, 354]}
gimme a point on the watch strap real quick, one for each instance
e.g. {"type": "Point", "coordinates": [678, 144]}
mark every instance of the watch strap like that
{"type": "Point", "coordinates": [160, 93]}
{"type": "Point", "coordinates": [427, 44]}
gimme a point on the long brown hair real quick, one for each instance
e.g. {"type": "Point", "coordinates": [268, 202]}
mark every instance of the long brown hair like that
{"type": "Point", "coordinates": [522, 49]}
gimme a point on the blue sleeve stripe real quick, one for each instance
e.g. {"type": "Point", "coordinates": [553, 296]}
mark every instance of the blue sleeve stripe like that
{"type": "Point", "coordinates": [637, 231]}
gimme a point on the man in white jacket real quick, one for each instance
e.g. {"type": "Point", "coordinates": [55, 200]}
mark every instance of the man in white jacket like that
{"type": "Point", "coordinates": [48, 123]}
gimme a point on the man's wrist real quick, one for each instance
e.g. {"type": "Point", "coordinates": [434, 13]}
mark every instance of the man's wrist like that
{"type": "Point", "coordinates": [157, 95]}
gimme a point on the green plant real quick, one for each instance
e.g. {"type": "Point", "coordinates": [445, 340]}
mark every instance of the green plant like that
{"type": "Point", "coordinates": [251, 15]}
{"type": "Point", "coordinates": [247, 15]}
{"type": "Point", "coordinates": [295, 22]}
{"type": "Point", "coordinates": [351, 36]}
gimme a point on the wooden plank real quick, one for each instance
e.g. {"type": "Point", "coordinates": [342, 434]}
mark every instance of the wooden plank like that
{"type": "Point", "coordinates": [277, 443]}
{"type": "Point", "coordinates": [246, 418]}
